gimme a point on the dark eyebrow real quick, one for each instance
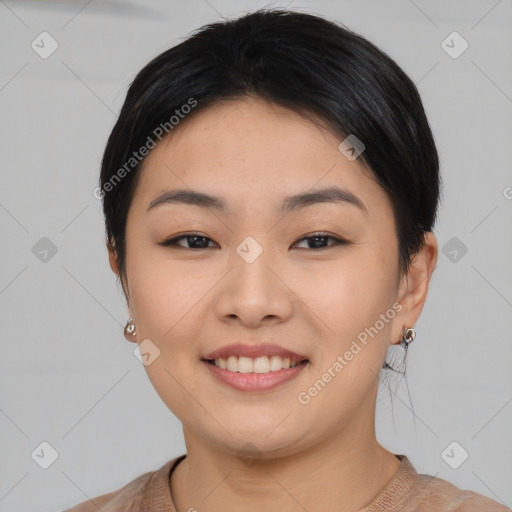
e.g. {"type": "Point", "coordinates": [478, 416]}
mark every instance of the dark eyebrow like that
{"type": "Point", "coordinates": [290, 203]}
{"type": "Point", "coordinates": [190, 197]}
{"type": "Point", "coordinates": [324, 195]}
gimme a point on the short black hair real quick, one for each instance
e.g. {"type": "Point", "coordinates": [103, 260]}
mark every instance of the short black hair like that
{"type": "Point", "coordinates": [302, 62]}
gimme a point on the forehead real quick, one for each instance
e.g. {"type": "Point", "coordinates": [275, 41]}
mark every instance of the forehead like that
{"type": "Point", "coordinates": [252, 152]}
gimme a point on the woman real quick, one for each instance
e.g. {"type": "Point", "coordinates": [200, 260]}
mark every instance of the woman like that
{"type": "Point", "coordinates": [269, 190]}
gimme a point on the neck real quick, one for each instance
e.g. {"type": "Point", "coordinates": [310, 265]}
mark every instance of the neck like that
{"type": "Point", "coordinates": [346, 468]}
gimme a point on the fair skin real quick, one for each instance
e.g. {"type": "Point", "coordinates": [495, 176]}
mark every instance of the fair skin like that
{"type": "Point", "coordinates": [189, 301]}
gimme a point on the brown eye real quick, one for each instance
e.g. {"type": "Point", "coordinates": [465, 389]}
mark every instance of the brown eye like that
{"type": "Point", "coordinates": [316, 241]}
{"type": "Point", "coordinates": [193, 240]}
{"type": "Point", "coordinates": [319, 241]}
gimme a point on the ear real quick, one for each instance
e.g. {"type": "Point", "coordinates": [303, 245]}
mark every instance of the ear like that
{"type": "Point", "coordinates": [413, 287]}
{"type": "Point", "coordinates": [112, 258]}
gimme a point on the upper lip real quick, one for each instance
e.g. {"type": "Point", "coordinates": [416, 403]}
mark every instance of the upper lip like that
{"type": "Point", "coordinates": [253, 351]}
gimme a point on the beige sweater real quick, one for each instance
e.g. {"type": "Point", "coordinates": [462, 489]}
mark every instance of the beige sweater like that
{"type": "Point", "coordinates": [408, 491]}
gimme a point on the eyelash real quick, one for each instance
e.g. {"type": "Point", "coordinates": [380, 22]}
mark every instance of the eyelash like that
{"type": "Point", "coordinates": [173, 241]}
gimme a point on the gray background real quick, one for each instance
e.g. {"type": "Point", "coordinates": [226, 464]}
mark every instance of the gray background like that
{"type": "Point", "coordinates": [69, 378]}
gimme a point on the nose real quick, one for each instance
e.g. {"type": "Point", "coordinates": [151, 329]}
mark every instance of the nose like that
{"type": "Point", "coordinates": [254, 292]}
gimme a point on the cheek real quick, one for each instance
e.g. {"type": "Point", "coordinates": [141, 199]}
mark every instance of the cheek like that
{"type": "Point", "coordinates": [349, 290]}
{"type": "Point", "coordinates": [354, 339]}
{"type": "Point", "coordinates": [348, 298]}
{"type": "Point", "coordinates": [160, 295]}
{"type": "Point", "coordinates": [162, 303]}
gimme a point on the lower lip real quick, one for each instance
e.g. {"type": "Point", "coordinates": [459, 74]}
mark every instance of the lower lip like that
{"type": "Point", "coordinates": [254, 381]}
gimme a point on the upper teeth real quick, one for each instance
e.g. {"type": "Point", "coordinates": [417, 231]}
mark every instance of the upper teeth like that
{"type": "Point", "coordinates": [262, 364]}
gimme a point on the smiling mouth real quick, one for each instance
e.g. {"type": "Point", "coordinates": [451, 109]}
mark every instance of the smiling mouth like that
{"type": "Point", "coordinates": [257, 365]}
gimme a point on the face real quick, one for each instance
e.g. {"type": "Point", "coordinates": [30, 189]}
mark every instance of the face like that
{"type": "Point", "coordinates": [255, 273]}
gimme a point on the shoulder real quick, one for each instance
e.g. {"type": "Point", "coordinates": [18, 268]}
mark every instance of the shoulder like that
{"type": "Point", "coordinates": [434, 494]}
{"type": "Point", "coordinates": [130, 494]}
{"type": "Point", "coordinates": [410, 491]}
{"type": "Point", "coordinates": [131, 497]}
